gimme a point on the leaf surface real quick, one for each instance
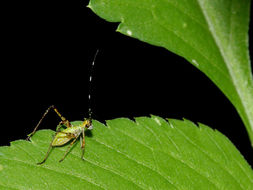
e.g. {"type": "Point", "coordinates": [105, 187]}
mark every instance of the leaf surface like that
{"type": "Point", "coordinates": [212, 35]}
{"type": "Point", "coordinates": [149, 153]}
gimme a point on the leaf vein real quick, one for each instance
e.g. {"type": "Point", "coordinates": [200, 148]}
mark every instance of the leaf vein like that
{"type": "Point", "coordinates": [206, 153]}
{"type": "Point", "coordinates": [178, 159]}
{"type": "Point", "coordinates": [51, 169]}
{"type": "Point", "coordinates": [231, 71]}
{"type": "Point", "coordinates": [25, 151]}
{"type": "Point", "coordinates": [132, 159]}
{"type": "Point", "coordinates": [8, 187]}
{"type": "Point", "coordinates": [232, 157]}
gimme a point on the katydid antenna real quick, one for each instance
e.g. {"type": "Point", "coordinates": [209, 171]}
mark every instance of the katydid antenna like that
{"type": "Point", "coordinates": [91, 85]}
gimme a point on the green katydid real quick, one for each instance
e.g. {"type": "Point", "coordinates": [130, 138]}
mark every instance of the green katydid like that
{"type": "Point", "coordinates": [70, 131]}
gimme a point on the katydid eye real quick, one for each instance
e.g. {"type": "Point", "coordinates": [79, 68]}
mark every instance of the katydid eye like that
{"type": "Point", "coordinates": [90, 127]}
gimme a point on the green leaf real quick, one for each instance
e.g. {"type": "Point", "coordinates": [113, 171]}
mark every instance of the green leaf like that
{"type": "Point", "coordinates": [210, 34]}
{"type": "Point", "coordinates": [147, 154]}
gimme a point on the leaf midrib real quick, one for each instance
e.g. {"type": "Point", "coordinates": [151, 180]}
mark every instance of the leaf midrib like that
{"type": "Point", "coordinates": [230, 70]}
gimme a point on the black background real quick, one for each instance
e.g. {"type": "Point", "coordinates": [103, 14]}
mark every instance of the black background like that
{"type": "Point", "coordinates": [48, 47]}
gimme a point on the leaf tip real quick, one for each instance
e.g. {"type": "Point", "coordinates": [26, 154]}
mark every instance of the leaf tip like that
{"type": "Point", "coordinates": [124, 30]}
{"type": "Point", "coordinates": [119, 30]}
{"type": "Point", "coordinates": [194, 62]}
{"type": "Point", "coordinates": [156, 119]}
{"type": "Point", "coordinates": [89, 6]}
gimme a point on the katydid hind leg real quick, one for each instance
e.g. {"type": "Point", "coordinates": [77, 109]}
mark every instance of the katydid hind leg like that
{"type": "Point", "coordinates": [83, 144]}
{"type": "Point", "coordinates": [47, 154]}
{"type": "Point", "coordinates": [68, 149]}
{"type": "Point", "coordinates": [64, 120]}
{"type": "Point", "coordinates": [38, 124]}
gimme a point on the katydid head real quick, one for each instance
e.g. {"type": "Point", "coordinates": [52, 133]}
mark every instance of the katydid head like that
{"type": "Point", "coordinates": [87, 123]}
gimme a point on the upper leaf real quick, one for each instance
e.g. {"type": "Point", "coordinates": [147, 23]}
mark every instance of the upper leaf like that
{"type": "Point", "coordinates": [147, 154]}
{"type": "Point", "coordinates": [212, 35]}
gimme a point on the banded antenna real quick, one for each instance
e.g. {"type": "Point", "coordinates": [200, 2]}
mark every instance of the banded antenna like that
{"type": "Point", "coordinates": [90, 85]}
